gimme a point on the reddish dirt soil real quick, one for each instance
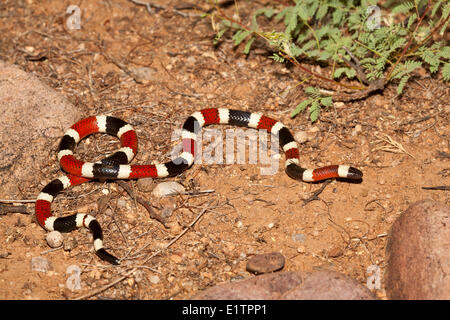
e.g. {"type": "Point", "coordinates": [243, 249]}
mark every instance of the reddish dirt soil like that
{"type": "Point", "coordinates": [248, 213]}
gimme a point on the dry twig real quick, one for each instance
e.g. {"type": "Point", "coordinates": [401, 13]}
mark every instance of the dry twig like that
{"type": "Point", "coordinates": [437, 188]}
{"type": "Point", "coordinates": [4, 209]}
{"type": "Point", "coordinates": [150, 5]}
{"type": "Point", "coordinates": [315, 195]}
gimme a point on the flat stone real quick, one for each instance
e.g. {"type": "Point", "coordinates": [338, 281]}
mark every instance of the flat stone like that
{"type": "Point", "coordinates": [265, 263]}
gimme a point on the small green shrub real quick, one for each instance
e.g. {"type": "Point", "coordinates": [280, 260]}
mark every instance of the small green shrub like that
{"type": "Point", "coordinates": [357, 39]}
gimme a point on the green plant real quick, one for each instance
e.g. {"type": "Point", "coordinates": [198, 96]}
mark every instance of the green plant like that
{"type": "Point", "coordinates": [356, 39]}
{"type": "Point", "coordinates": [315, 100]}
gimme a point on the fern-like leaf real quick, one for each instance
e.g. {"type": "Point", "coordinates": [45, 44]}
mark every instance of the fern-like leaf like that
{"type": "Point", "coordinates": [240, 36]}
{"type": "Point", "coordinates": [405, 68]}
{"type": "Point", "coordinates": [300, 107]}
{"type": "Point", "coordinates": [402, 83]}
{"type": "Point", "coordinates": [314, 111]}
{"type": "Point", "coordinates": [404, 7]}
{"type": "Point", "coordinates": [446, 72]}
{"type": "Point", "coordinates": [248, 45]}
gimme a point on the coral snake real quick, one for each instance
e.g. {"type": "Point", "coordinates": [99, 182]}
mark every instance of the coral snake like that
{"type": "Point", "coordinates": [116, 165]}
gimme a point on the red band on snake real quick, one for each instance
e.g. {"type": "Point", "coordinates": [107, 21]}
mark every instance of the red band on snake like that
{"type": "Point", "coordinates": [116, 166]}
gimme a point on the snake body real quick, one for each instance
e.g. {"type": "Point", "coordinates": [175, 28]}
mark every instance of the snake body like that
{"type": "Point", "coordinates": [116, 166]}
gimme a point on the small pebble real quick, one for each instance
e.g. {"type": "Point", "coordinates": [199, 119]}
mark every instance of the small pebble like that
{"type": "Point", "coordinates": [174, 227]}
{"type": "Point", "coordinates": [191, 60]}
{"type": "Point", "coordinates": [154, 279]}
{"type": "Point", "coordinates": [301, 249]}
{"type": "Point", "coordinates": [176, 258]}
{"type": "Point", "coordinates": [335, 252]}
{"type": "Point", "coordinates": [30, 49]}
{"type": "Point", "coordinates": [102, 202]}
{"type": "Point", "coordinates": [381, 180]}
{"type": "Point", "coordinates": [121, 203]}
{"type": "Point", "coordinates": [313, 129]}
{"type": "Point", "coordinates": [265, 263]}
{"type": "Point", "coordinates": [188, 283]}
{"type": "Point", "coordinates": [167, 188]}
{"type": "Point", "coordinates": [299, 237]}
{"type": "Point", "coordinates": [70, 244]}
{"type": "Point", "coordinates": [139, 275]}
{"type": "Point", "coordinates": [145, 184]}
{"type": "Point", "coordinates": [356, 130]}
{"type": "Point", "coordinates": [54, 239]}
{"type": "Point", "coordinates": [166, 212]}
{"type": "Point", "coordinates": [143, 74]}
{"type": "Point", "coordinates": [301, 137]}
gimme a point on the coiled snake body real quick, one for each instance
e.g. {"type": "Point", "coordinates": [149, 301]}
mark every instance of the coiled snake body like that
{"type": "Point", "coordinates": [116, 166]}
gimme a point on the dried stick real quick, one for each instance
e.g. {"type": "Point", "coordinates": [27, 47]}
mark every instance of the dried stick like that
{"type": "Point", "coordinates": [437, 188]}
{"type": "Point", "coordinates": [5, 209]}
{"type": "Point", "coordinates": [149, 6]}
{"type": "Point", "coordinates": [315, 195]}
{"type": "Point", "coordinates": [17, 201]}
